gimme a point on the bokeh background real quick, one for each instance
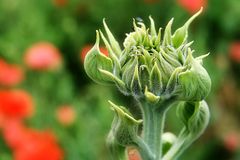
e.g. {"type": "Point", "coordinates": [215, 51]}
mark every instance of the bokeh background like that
{"type": "Point", "coordinates": [50, 109]}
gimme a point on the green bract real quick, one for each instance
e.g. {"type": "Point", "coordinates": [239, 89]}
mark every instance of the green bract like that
{"type": "Point", "coordinates": [195, 82]}
{"type": "Point", "coordinates": [124, 126]}
{"type": "Point", "coordinates": [96, 61]}
{"type": "Point", "coordinates": [162, 63]}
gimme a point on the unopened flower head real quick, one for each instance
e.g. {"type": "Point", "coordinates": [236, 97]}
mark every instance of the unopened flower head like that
{"type": "Point", "coordinates": [152, 64]}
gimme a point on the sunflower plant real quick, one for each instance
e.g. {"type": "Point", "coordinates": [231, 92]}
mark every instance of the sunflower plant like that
{"type": "Point", "coordinates": [157, 69]}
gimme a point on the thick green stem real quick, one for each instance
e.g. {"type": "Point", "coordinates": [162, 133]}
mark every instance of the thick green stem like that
{"type": "Point", "coordinates": [144, 150]}
{"type": "Point", "coordinates": [153, 124]}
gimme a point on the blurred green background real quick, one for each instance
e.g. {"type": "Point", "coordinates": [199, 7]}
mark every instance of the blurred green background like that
{"type": "Point", "coordinates": [70, 26]}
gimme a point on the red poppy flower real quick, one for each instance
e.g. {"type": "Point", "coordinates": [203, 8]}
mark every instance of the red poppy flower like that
{"type": "Point", "coordinates": [231, 141]}
{"type": "Point", "coordinates": [66, 115]}
{"type": "Point", "coordinates": [192, 6]}
{"type": "Point", "coordinates": [86, 48]}
{"type": "Point", "coordinates": [14, 133]}
{"type": "Point", "coordinates": [15, 104]}
{"type": "Point", "coordinates": [235, 51]}
{"type": "Point", "coordinates": [39, 146]}
{"type": "Point", "coordinates": [43, 56]}
{"type": "Point", "coordinates": [10, 74]}
{"type": "Point", "coordinates": [30, 144]}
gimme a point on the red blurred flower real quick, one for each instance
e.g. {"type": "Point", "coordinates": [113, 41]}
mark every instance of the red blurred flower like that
{"type": "Point", "coordinates": [86, 48]}
{"type": "Point", "coordinates": [66, 115]}
{"type": "Point", "coordinates": [29, 144]}
{"type": "Point", "coordinates": [43, 56]}
{"type": "Point", "coordinates": [39, 146]}
{"type": "Point", "coordinates": [10, 74]}
{"type": "Point", "coordinates": [15, 104]}
{"type": "Point", "coordinates": [14, 133]}
{"type": "Point", "coordinates": [231, 141]}
{"type": "Point", "coordinates": [60, 3]}
{"type": "Point", "coordinates": [192, 6]}
{"type": "Point", "coordinates": [235, 51]}
{"type": "Point", "coordinates": [133, 154]}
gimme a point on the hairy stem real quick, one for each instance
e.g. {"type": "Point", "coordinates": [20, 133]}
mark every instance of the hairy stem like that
{"type": "Point", "coordinates": [153, 124]}
{"type": "Point", "coordinates": [144, 150]}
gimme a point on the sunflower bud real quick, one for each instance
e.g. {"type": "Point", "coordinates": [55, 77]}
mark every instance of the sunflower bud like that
{"type": "Point", "coordinates": [163, 63]}
{"type": "Point", "coordinates": [157, 69]}
{"type": "Point", "coordinates": [194, 115]}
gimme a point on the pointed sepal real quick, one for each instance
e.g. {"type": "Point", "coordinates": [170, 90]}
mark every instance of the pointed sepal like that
{"type": "Point", "coordinates": [152, 27]}
{"type": "Point", "coordinates": [136, 86]}
{"type": "Point", "coordinates": [156, 80]}
{"type": "Point", "coordinates": [114, 44]}
{"type": "Point", "coordinates": [181, 34]}
{"type": "Point", "coordinates": [167, 37]}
